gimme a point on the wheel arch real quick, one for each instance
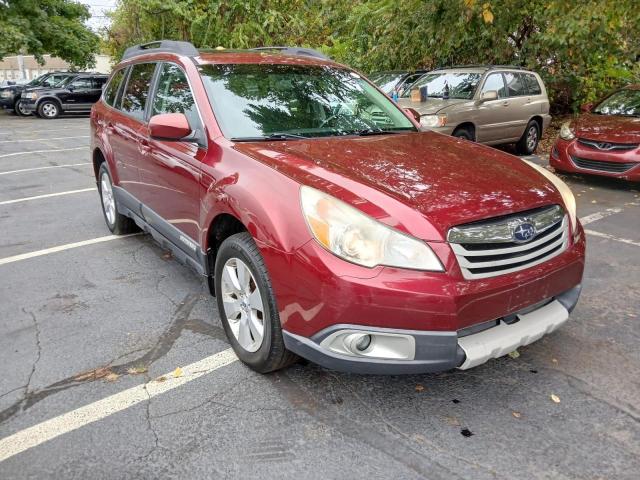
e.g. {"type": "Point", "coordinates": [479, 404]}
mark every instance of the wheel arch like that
{"type": "Point", "coordinates": [470, 126]}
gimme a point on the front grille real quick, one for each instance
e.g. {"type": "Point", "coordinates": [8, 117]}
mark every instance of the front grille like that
{"type": "Point", "coordinates": [606, 146]}
{"type": "Point", "coordinates": [602, 166]}
{"type": "Point", "coordinates": [488, 248]}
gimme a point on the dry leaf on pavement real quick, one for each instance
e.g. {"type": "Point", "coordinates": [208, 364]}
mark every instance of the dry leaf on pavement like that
{"type": "Point", "coordinates": [555, 398]}
{"type": "Point", "coordinates": [177, 372]}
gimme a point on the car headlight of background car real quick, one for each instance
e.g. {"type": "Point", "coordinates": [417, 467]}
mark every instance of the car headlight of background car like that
{"type": "Point", "coordinates": [431, 121]}
{"type": "Point", "coordinates": [567, 195]}
{"type": "Point", "coordinates": [566, 132]}
{"type": "Point", "coordinates": [358, 238]}
{"type": "Point", "coordinates": [30, 95]}
{"type": "Point", "coordinates": [6, 94]}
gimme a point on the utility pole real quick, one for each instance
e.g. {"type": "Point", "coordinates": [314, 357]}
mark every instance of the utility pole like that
{"type": "Point", "coordinates": [21, 67]}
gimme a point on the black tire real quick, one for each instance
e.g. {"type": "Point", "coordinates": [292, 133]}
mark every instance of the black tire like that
{"type": "Point", "coordinates": [530, 139]}
{"type": "Point", "coordinates": [120, 224]}
{"type": "Point", "coordinates": [18, 108]}
{"type": "Point", "coordinates": [463, 132]}
{"type": "Point", "coordinates": [49, 109]}
{"type": "Point", "coordinates": [272, 353]}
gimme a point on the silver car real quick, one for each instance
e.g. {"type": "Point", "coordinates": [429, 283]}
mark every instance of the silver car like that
{"type": "Point", "coordinates": [488, 104]}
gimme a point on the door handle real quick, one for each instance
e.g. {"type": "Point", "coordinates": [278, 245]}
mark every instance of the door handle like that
{"type": "Point", "coordinates": [109, 128]}
{"type": "Point", "coordinates": [143, 146]}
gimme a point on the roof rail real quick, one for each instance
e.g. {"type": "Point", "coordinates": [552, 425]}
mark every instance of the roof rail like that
{"type": "Point", "coordinates": [161, 46]}
{"type": "Point", "coordinates": [309, 52]}
{"type": "Point", "coordinates": [488, 67]}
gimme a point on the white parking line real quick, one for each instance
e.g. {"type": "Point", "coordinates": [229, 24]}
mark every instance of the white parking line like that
{"type": "Point", "coordinates": [611, 237]}
{"type": "Point", "coordinates": [587, 219]}
{"type": "Point", "coordinates": [49, 429]}
{"type": "Point", "coordinates": [24, 170]}
{"type": "Point", "coordinates": [62, 248]}
{"type": "Point", "coordinates": [43, 131]}
{"type": "Point", "coordinates": [48, 195]}
{"type": "Point", "coordinates": [41, 139]}
{"type": "Point", "coordinates": [43, 151]}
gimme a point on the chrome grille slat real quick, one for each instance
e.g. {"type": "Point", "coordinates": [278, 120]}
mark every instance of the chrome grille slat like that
{"type": "Point", "coordinates": [606, 146]}
{"type": "Point", "coordinates": [499, 254]}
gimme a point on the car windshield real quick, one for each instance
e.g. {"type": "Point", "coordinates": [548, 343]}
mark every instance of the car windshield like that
{"type": "Point", "coordinates": [447, 85]}
{"type": "Point", "coordinates": [259, 101]}
{"type": "Point", "coordinates": [38, 80]}
{"type": "Point", "coordinates": [624, 102]}
{"type": "Point", "coordinates": [387, 81]}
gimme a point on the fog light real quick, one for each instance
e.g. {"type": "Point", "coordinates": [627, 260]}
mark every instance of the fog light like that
{"type": "Point", "coordinates": [363, 343]}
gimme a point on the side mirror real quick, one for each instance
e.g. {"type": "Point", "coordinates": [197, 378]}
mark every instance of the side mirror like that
{"type": "Point", "coordinates": [586, 108]}
{"type": "Point", "coordinates": [169, 126]}
{"type": "Point", "coordinates": [414, 113]}
{"type": "Point", "coordinates": [488, 96]}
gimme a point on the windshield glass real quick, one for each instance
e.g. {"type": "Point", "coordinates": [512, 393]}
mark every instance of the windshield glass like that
{"type": "Point", "coordinates": [387, 81]}
{"type": "Point", "coordinates": [38, 80]}
{"type": "Point", "coordinates": [624, 102]}
{"type": "Point", "coordinates": [258, 100]}
{"type": "Point", "coordinates": [447, 85]}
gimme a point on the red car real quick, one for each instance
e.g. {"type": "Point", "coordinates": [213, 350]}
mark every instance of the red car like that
{"type": "Point", "coordinates": [605, 140]}
{"type": "Point", "coordinates": [327, 225]}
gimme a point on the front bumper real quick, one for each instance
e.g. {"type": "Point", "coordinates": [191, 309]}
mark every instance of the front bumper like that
{"type": "Point", "coordinates": [435, 351]}
{"type": "Point", "coordinates": [29, 105]}
{"type": "Point", "coordinates": [7, 102]}
{"type": "Point", "coordinates": [603, 163]}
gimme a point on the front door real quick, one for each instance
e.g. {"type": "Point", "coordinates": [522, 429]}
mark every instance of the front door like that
{"type": "Point", "coordinates": [493, 116]}
{"type": "Point", "coordinates": [80, 92]}
{"type": "Point", "coordinates": [170, 170]}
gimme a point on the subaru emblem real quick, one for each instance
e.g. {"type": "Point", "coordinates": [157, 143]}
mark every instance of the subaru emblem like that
{"type": "Point", "coordinates": [524, 232]}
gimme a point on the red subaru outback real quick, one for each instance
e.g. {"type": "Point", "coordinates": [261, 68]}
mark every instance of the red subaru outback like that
{"type": "Point", "coordinates": [328, 226]}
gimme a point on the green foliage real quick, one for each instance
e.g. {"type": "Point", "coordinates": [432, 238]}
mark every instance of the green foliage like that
{"type": "Point", "coordinates": [581, 48]}
{"type": "Point", "coordinates": [57, 27]}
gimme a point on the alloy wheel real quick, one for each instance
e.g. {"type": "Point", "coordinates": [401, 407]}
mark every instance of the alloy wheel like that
{"type": "Point", "coordinates": [108, 202]}
{"type": "Point", "coordinates": [243, 304]}
{"type": "Point", "coordinates": [532, 138]}
{"type": "Point", "coordinates": [49, 110]}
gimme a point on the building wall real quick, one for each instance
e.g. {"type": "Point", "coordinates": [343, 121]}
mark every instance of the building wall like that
{"type": "Point", "coordinates": [25, 67]}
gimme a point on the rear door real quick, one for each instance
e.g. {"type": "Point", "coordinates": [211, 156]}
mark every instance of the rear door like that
{"type": "Point", "coordinates": [492, 116]}
{"type": "Point", "coordinates": [170, 170]}
{"type": "Point", "coordinates": [78, 94]}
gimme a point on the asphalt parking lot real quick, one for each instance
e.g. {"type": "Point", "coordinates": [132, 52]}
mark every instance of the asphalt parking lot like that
{"type": "Point", "coordinates": [114, 363]}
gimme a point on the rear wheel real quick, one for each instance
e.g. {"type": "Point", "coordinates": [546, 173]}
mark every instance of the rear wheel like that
{"type": "Point", "coordinates": [118, 224]}
{"type": "Point", "coordinates": [530, 139]}
{"type": "Point", "coordinates": [463, 132]}
{"type": "Point", "coordinates": [247, 305]}
{"type": "Point", "coordinates": [49, 109]}
{"type": "Point", "coordinates": [20, 110]}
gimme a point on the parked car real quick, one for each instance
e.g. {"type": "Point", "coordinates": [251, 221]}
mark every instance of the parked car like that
{"type": "Point", "coordinates": [76, 94]}
{"type": "Point", "coordinates": [396, 80]}
{"type": "Point", "coordinates": [355, 241]}
{"type": "Point", "coordinates": [10, 96]}
{"type": "Point", "coordinates": [487, 104]}
{"type": "Point", "coordinates": [604, 140]}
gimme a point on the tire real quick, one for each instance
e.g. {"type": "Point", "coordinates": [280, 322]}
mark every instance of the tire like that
{"type": "Point", "coordinates": [18, 108]}
{"type": "Point", "coordinates": [117, 223]}
{"type": "Point", "coordinates": [530, 139]}
{"type": "Point", "coordinates": [463, 133]}
{"type": "Point", "coordinates": [240, 253]}
{"type": "Point", "coordinates": [49, 110]}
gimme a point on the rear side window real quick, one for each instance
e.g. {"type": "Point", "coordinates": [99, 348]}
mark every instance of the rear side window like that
{"type": "Point", "coordinates": [173, 94]}
{"type": "Point", "coordinates": [111, 92]}
{"type": "Point", "coordinates": [82, 83]}
{"type": "Point", "coordinates": [515, 84]}
{"type": "Point", "coordinates": [533, 87]}
{"type": "Point", "coordinates": [135, 95]}
{"type": "Point", "coordinates": [495, 82]}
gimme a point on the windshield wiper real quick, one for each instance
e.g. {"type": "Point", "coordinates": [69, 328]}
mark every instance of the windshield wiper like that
{"type": "Point", "coordinates": [370, 131]}
{"type": "Point", "coordinates": [271, 136]}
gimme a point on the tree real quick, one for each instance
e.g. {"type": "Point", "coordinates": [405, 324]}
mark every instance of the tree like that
{"type": "Point", "coordinates": [57, 27]}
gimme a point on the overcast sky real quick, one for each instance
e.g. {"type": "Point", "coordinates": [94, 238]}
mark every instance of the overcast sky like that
{"type": "Point", "coordinates": [99, 8]}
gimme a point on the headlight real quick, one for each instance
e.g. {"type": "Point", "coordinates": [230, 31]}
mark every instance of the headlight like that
{"type": "Point", "coordinates": [6, 94]}
{"type": "Point", "coordinates": [567, 195]}
{"type": "Point", "coordinates": [431, 121]}
{"type": "Point", "coordinates": [30, 95]}
{"type": "Point", "coordinates": [358, 238]}
{"type": "Point", "coordinates": [566, 133]}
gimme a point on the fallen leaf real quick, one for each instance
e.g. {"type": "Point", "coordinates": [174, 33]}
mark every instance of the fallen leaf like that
{"type": "Point", "coordinates": [419, 388]}
{"type": "Point", "coordinates": [453, 421]}
{"type": "Point", "coordinates": [92, 374]}
{"type": "Point", "coordinates": [555, 398]}
{"type": "Point", "coordinates": [514, 354]}
{"type": "Point", "coordinates": [112, 377]}
{"type": "Point", "coordinates": [177, 372]}
{"type": "Point", "coordinates": [419, 438]}
{"type": "Point", "coordinates": [516, 414]}
{"type": "Point", "coordinates": [593, 201]}
{"type": "Point", "coordinates": [554, 360]}
{"type": "Point", "coordinates": [136, 370]}
{"type": "Point", "coordinates": [161, 379]}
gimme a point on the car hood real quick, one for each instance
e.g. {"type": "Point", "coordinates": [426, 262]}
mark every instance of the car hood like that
{"type": "Point", "coordinates": [610, 128]}
{"type": "Point", "coordinates": [446, 180]}
{"type": "Point", "coordinates": [431, 106]}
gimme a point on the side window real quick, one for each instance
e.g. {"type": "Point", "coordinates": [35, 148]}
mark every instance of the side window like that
{"type": "Point", "coordinates": [533, 87]}
{"type": "Point", "coordinates": [49, 81]}
{"type": "Point", "coordinates": [137, 90]}
{"type": "Point", "coordinates": [111, 92]}
{"type": "Point", "coordinates": [495, 82]}
{"type": "Point", "coordinates": [515, 84]}
{"type": "Point", "coordinates": [173, 94]}
{"type": "Point", "coordinates": [98, 82]}
{"type": "Point", "coordinates": [83, 83]}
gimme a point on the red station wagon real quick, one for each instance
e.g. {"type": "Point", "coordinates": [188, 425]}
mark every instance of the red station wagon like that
{"type": "Point", "coordinates": [326, 223]}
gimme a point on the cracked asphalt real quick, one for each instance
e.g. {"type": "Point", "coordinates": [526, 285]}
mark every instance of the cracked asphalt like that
{"type": "Point", "coordinates": [84, 324]}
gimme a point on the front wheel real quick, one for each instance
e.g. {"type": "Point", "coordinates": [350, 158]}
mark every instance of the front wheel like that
{"type": "Point", "coordinates": [19, 109]}
{"type": "Point", "coordinates": [247, 305]}
{"type": "Point", "coordinates": [530, 139]}
{"type": "Point", "coordinates": [49, 110]}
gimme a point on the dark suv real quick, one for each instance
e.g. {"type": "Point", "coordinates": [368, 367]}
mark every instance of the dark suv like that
{"type": "Point", "coordinates": [10, 96]}
{"type": "Point", "coordinates": [77, 94]}
{"type": "Point", "coordinates": [328, 225]}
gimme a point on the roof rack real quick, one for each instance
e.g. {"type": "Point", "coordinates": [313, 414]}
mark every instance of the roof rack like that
{"type": "Point", "coordinates": [488, 67]}
{"type": "Point", "coordinates": [161, 46]}
{"type": "Point", "coordinates": [309, 52]}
